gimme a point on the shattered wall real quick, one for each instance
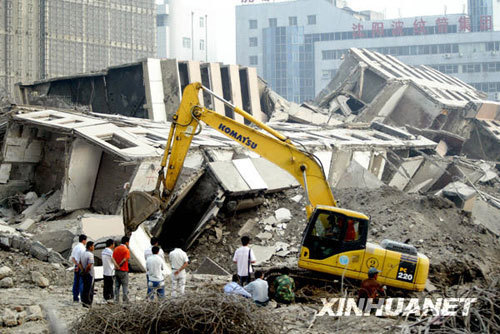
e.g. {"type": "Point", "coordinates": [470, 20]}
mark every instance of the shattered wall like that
{"type": "Point", "coordinates": [150, 89]}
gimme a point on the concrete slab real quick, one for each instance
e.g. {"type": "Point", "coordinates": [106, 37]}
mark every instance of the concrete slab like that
{"type": "Point", "coordinates": [250, 174]}
{"type": "Point", "coordinates": [171, 86]}
{"type": "Point", "coordinates": [194, 75]}
{"type": "Point", "coordinates": [406, 171]}
{"type": "Point", "coordinates": [229, 177]}
{"type": "Point", "coordinates": [263, 253]}
{"type": "Point", "coordinates": [58, 119]}
{"type": "Point", "coordinates": [356, 176]}
{"type": "Point", "coordinates": [428, 170]}
{"type": "Point", "coordinates": [146, 175]}
{"type": "Point", "coordinates": [235, 87]}
{"type": "Point", "coordinates": [487, 216]}
{"type": "Point", "coordinates": [247, 228]}
{"type": "Point", "coordinates": [253, 92]}
{"type": "Point", "coordinates": [153, 83]}
{"type": "Point", "coordinates": [101, 226]}
{"type": "Point", "coordinates": [60, 241]}
{"type": "Point", "coordinates": [362, 158]}
{"type": "Point", "coordinates": [216, 86]}
{"type": "Point", "coordinates": [326, 160]}
{"type": "Point", "coordinates": [461, 194]}
{"type": "Point", "coordinates": [442, 148]}
{"type": "Point", "coordinates": [210, 267]}
{"type": "Point", "coordinates": [5, 172]}
{"type": "Point", "coordinates": [275, 177]}
{"type": "Point", "coordinates": [117, 141]}
{"type": "Point", "coordinates": [341, 158]}
{"type": "Point", "coordinates": [22, 150]}
{"type": "Point", "coordinates": [81, 174]}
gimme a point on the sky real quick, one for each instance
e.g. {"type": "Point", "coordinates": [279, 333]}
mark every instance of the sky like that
{"type": "Point", "coordinates": [406, 8]}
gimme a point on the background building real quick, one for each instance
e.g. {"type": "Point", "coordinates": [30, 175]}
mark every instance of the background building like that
{"type": "Point", "coordinates": [201, 30]}
{"type": "Point", "coordinates": [297, 46]}
{"type": "Point", "coordinates": [41, 39]}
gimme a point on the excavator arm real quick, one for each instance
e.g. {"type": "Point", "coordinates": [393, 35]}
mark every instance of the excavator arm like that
{"type": "Point", "coordinates": [268, 143]}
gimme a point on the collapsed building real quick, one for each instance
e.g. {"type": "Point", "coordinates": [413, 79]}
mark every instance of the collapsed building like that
{"type": "Point", "coordinates": [370, 86]}
{"type": "Point", "coordinates": [84, 142]}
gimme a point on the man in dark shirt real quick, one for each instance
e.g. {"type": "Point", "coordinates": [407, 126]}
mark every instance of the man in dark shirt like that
{"type": "Point", "coordinates": [370, 288]}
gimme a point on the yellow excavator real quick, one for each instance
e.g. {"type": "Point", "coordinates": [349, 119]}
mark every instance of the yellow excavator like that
{"type": "Point", "coordinates": [334, 240]}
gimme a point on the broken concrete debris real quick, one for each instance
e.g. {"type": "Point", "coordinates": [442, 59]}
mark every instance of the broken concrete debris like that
{"type": "Point", "coordinates": [443, 108]}
{"type": "Point", "coordinates": [63, 172]}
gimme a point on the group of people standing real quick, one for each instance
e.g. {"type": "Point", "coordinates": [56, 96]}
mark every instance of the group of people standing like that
{"type": "Point", "coordinates": [115, 263]}
{"type": "Point", "coordinates": [115, 270]}
{"type": "Point", "coordinates": [257, 289]}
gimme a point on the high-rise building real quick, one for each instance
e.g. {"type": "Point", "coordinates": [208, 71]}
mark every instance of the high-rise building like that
{"type": "Point", "coordinates": [297, 46]}
{"type": "Point", "coordinates": [200, 30]}
{"type": "Point", "coordinates": [42, 39]}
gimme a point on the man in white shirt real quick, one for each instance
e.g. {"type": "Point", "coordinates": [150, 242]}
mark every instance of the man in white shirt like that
{"type": "Point", "coordinates": [233, 288]}
{"type": "Point", "coordinates": [149, 250]}
{"type": "Point", "coordinates": [259, 289]}
{"type": "Point", "coordinates": [154, 269]}
{"type": "Point", "coordinates": [244, 257]}
{"type": "Point", "coordinates": [76, 253]}
{"type": "Point", "coordinates": [179, 261]}
{"type": "Point", "coordinates": [108, 268]}
{"type": "Point", "coordinates": [87, 264]}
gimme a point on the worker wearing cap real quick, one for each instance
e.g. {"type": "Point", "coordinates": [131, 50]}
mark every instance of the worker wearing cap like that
{"type": "Point", "coordinates": [370, 288]}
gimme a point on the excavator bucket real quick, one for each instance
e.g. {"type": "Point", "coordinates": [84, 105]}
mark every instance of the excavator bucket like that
{"type": "Point", "coordinates": [138, 207]}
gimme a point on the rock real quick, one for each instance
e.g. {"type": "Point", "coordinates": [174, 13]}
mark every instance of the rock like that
{"type": "Point", "coordinates": [296, 198]}
{"type": "Point", "coordinates": [26, 224]}
{"type": "Point", "coordinates": [264, 236]}
{"type": "Point", "coordinates": [34, 313]}
{"type": "Point", "coordinates": [269, 221]}
{"type": "Point", "coordinates": [39, 279]}
{"type": "Point", "coordinates": [268, 228]}
{"type": "Point", "coordinates": [262, 253]}
{"type": "Point", "coordinates": [21, 317]}
{"type": "Point", "coordinates": [59, 241]}
{"type": "Point", "coordinates": [281, 246]}
{"type": "Point", "coordinates": [55, 257]}
{"type": "Point", "coordinates": [283, 215]}
{"type": "Point", "coordinates": [247, 228]}
{"type": "Point", "coordinates": [218, 234]}
{"type": "Point", "coordinates": [283, 253]}
{"type": "Point", "coordinates": [5, 241]}
{"type": "Point", "coordinates": [5, 272]}
{"type": "Point", "coordinates": [9, 318]}
{"type": "Point", "coordinates": [429, 287]}
{"type": "Point", "coordinates": [39, 251]}
{"type": "Point", "coordinates": [30, 198]}
{"type": "Point", "coordinates": [6, 283]}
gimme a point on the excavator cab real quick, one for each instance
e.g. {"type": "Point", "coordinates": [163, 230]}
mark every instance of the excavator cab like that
{"type": "Point", "coordinates": [332, 231]}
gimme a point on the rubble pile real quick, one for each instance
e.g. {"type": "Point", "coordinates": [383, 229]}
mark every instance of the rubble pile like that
{"type": "Point", "coordinates": [416, 150]}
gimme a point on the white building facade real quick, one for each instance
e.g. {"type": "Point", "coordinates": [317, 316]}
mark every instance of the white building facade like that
{"type": "Point", "coordinates": [297, 46]}
{"type": "Point", "coordinates": [200, 30]}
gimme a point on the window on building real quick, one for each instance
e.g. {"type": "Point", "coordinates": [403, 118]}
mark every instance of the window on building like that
{"type": "Point", "coordinates": [471, 68]}
{"type": "Point", "coordinates": [186, 42]}
{"type": "Point", "coordinates": [254, 60]}
{"type": "Point", "coordinates": [252, 24]}
{"type": "Point", "coordinates": [292, 20]}
{"type": "Point", "coordinates": [202, 22]}
{"type": "Point", "coordinates": [311, 19]}
{"type": "Point", "coordinates": [161, 20]}
{"type": "Point", "coordinates": [202, 44]}
{"type": "Point", "coordinates": [253, 42]}
{"type": "Point", "coordinates": [273, 22]}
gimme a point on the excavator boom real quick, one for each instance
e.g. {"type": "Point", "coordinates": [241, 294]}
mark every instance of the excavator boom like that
{"type": "Point", "coordinates": [268, 143]}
